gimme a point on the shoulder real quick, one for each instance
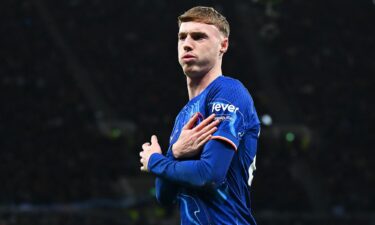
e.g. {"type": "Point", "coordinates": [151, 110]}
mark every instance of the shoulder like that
{"type": "Point", "coordinates": [230, 89]}
{"type": "Point", "coordinates": [228, 83]}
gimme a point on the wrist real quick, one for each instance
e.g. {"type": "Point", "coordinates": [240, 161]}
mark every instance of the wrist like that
{"type": "Point", "coordinates": [175, 153]}
{"type": "Point", "coordinates": [151, 159]}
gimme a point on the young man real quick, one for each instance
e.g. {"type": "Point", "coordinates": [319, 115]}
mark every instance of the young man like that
{"type": "Point", "coordinates": [208, 167]}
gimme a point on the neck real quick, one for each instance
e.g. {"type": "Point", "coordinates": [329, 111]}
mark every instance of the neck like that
{"type": "Point", "coordinates": [196, 85]}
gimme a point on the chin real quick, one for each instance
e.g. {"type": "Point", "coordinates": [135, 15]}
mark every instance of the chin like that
{"type": "Point", "coordinates": [189, 70]}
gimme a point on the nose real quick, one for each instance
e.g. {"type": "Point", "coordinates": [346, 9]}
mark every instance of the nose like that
{"type": "Point", "coordinates": [187, 45]}
{"type": "Point", "coordinates": [187, 48]}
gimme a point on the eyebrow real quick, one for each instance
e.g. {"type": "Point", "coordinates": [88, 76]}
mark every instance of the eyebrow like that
{"type": "Point", "coordinates": [192, 33]}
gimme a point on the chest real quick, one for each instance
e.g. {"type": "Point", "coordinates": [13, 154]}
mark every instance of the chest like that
{"type": "Point", "coordinates": [186, 113]}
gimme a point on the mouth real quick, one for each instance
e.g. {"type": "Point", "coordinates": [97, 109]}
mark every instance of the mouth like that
{"type": "Point", "coordinates": [188, 57]}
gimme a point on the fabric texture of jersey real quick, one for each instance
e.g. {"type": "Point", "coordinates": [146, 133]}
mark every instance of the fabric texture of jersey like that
{"type": "Point", "coordinates": [227, 202]}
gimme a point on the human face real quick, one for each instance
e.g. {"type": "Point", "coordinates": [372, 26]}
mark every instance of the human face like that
{"type": "Point", "coordinates": [199, 48]}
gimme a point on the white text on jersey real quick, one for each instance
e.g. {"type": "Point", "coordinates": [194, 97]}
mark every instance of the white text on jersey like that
{"type": "Point", "coordinates": [216, 107]}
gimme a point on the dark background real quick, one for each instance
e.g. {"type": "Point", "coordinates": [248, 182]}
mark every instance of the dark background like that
{"type": "Point", "coordinates": [84, 83]}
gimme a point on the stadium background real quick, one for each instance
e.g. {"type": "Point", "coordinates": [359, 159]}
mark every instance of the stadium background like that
{"type": "Point", "coordinates": [84, 83]}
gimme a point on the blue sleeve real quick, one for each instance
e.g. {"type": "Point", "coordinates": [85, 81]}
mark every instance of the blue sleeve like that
{"type": "Point", "coordinates": [165, 190]}
{"type": "Point", "coordinates": [210, 169]}
{"type": "Point", "coordinates": [233, 105]}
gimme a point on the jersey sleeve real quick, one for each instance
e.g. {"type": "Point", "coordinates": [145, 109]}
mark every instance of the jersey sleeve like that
{"type": "Point", "coordinates": [210, 169]}
{"type": "Point", "coordinates": [233, 105]}
{"type": "Point", "coordinates": [165, 190]}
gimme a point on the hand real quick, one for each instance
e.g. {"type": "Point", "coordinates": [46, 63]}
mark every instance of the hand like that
{"type": "Point", "coordinates": [148, 150]}
{"type": "Point", "coordinates": [191, 140]}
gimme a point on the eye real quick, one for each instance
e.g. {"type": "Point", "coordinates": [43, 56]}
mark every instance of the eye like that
{"type": "Point", "coordinates": [182, 37]}
{"type": "Point", "coordinates": [198, 36]}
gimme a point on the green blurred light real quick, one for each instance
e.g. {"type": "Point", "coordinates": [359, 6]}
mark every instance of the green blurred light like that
{"type": "Point", "coordinates": [115, 133]}
{"type": "Point", "coordinates": [159, 212]}
{"type": "Point", "coordinates": [290, 137]}
{"type": "Point", "coordinates": [152, 191]}
{"type": "Point", "coordinates": [134, 215]}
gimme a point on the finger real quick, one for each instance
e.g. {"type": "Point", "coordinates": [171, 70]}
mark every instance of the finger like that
{"type": "Point", "coordinates": [205, 122]}
{"type": "Point", "coordinates": [208, 133]}
{"type": "Point", "coordinates": [144, 168]}
{"type": "Point", "coordinates": [208, 127]}
{"type": "Point", "coordinates": [145, 145]}
{"type": "Point", "coordinates": [191, 122]}
{"type": "Point", "coordinates": [204, 141]}
{"type": "Point", "coordinates": [154, 139]}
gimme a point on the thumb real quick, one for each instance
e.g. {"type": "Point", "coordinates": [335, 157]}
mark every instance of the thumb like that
{"type": "Point", "coordinates": [154, 139]}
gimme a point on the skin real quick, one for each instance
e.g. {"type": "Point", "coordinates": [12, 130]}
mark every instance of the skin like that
{"type": "Point", "coordinates": [192, 139]}
{"type": "Point", "coordinates": [200, 52]}
{"type": "Point", "coordinates": [189, 143]}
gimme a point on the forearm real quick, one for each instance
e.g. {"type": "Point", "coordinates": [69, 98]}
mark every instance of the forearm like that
{"type": "Point", "coordinates": [165, 190]}
{"type": "Point", "coordinates": [208, 170]}
{"type": "Point", "coordinates": [184, 172]}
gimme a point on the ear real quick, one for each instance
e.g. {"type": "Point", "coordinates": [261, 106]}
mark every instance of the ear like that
{"type": "Point", "coordinates": [224, 45]}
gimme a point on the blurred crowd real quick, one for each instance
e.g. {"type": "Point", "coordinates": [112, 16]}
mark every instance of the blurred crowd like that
{"type": "Point", "coordinates": [52, 151]}
{"type": "Point", "coordinates": [327, 66]}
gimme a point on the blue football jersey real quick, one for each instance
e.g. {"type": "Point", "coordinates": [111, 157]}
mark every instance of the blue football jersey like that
{"type": "Point", "coordinates": [227, 202]}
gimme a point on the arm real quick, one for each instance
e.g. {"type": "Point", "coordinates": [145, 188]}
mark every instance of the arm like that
{"type": "Point", "coordinates": [189, 143]}
{"type": "Point", "coordinates": [210, 169]}
{"type": "Point", "coordinates": [165, 190]}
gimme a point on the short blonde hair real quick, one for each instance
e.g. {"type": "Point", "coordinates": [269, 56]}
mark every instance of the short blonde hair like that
{"type": "Point", "coordinates": [207, 15]}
